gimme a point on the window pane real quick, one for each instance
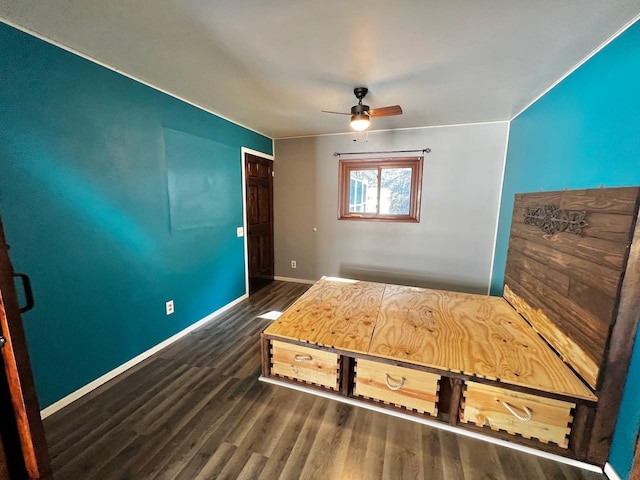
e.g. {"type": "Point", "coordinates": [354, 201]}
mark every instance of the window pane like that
{"type": "Point", "coordinates": [363, 191]}
{"type": "Point", "coordinates": [395, 191]}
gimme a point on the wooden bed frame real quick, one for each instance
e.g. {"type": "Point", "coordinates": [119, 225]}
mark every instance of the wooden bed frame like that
{"type": "Point", "coordinates": [544, 366]}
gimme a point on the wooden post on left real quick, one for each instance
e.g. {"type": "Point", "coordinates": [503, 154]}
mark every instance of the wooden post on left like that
{"type": "Point", "coordinates": [266, 360]}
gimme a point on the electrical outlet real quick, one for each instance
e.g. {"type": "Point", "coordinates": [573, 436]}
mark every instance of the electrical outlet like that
{"type": "Point", "coordinates": [240, 231]}
{"type": "Point", "coordinates": [293, 264]}
{"type": "Point", "coordinates": [169, 307]}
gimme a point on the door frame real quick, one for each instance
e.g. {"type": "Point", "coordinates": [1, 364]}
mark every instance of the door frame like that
{"type": "Point", "coordinates": [243, 152]}
{"type": "Point", "coordinates": [17, 369]}
{"type": "Point", "coordinates": [635, 468]}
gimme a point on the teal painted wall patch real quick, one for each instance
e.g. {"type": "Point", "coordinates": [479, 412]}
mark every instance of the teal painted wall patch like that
{"type": "Point", "coordinates": [201, 184]}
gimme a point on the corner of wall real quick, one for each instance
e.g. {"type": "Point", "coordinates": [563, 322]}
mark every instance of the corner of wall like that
{"type": "Point", "coordinates": [499, 206]}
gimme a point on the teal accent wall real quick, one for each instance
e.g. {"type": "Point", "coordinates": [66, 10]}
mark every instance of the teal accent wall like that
{"type": "Point", "coordinates": [84, 198]}
{"type": "Point", "coordinates": [583, 133]}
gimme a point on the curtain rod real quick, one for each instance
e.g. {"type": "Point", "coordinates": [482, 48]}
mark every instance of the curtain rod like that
{"type": "Point", "coordinates": [423, 150]}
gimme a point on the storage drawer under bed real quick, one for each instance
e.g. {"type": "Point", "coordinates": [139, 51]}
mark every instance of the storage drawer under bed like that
{"type": "Point", "coordinates": [400, 386]}
{"type": "Point", "coordinates": [305, 364]}
{"type": "Point", "coordinates": [531, 416]}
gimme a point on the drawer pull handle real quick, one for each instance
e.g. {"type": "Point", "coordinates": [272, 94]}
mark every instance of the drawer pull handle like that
{"type": "Point", "coordinates": [513, 412]}
{"type": "Point", "coordinates": [394, 387]}
{"type": "Point", "coordinates": [303, 358]}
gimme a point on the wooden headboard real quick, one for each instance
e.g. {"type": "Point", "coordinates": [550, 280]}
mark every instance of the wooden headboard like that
{"type": "Point", "coordinates": [572, 273]}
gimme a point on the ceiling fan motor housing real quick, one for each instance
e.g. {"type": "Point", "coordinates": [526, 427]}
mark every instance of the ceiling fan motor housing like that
{"type": "Point", "coordinates": [359, 109]}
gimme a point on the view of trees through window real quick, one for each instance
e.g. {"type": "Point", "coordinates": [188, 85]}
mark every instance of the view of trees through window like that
{"type": "Point", "coordinates": [391, 197]}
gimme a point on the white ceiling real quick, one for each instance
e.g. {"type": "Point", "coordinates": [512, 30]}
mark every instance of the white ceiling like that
{"type": "Point", "coordinates": [272, 65]}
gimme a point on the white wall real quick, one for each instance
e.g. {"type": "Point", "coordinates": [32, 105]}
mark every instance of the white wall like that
{"type": "Point", "coordinates": [450, 248]}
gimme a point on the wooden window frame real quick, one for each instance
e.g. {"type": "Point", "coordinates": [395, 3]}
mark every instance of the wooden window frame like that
{"type": "Point", "coordinates": [346, 166]}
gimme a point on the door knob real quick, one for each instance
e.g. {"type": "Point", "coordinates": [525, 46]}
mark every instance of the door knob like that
{"type": "Point", "coordinates": [2, 342]}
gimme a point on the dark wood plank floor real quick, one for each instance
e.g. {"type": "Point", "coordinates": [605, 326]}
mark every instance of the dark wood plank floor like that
{"type": "Point", "coordinates": [196, 410]}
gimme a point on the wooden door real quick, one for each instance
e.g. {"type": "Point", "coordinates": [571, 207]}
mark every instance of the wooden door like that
{"type": "Point", "coordinates": [23, 451]}
{"type": "Point", "coordinates": [259, 186]}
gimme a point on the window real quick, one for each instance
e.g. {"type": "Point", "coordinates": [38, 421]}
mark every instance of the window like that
{"type": "Point", "coordinates": [384, 189]}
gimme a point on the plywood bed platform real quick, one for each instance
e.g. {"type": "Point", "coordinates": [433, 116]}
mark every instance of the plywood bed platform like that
{"type": "Point", "coordinates": [473, 335]}
{"type": "Point", "coordinates": [527, 368]}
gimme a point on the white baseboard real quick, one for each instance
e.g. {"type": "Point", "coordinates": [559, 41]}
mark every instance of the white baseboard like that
{"type": "Point", "coordinates": [610, 472]}
{"type": "Point", "coordinates": [296, 280]}
{"type": "Point", "coordinates": [440, 425]}
{"type": "Point", "coordinates": [73, 396]}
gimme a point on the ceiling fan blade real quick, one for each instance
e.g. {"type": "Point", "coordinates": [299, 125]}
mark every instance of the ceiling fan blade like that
{"type": "Point", "coordinates": [337, 113]}
{"type": "Point", "coordinates": [386, 111]}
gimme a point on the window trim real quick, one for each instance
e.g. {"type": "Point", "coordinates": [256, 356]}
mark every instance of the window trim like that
{"type": "Point", "coordinates": [345, 167]}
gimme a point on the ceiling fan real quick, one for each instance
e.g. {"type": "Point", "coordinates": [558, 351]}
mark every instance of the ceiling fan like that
{"type": "Point", "coordinates": [361, 114]}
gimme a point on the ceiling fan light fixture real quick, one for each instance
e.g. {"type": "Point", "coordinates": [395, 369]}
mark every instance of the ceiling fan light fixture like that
{"type": "Point", "coordinates": [360, 121]}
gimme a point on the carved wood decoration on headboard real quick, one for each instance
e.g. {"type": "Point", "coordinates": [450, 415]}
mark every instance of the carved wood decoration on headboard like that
{"type": "Point", "coordinates": [553, 219]}
{"type": "Point", "coordinates": [567, 286]}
